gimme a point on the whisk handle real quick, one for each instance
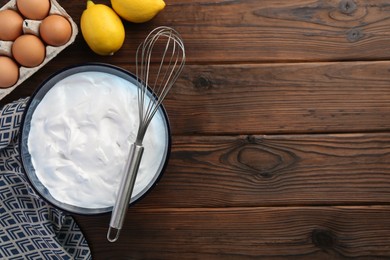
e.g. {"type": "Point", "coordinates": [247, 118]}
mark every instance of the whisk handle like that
{"type": "Point", "coordinates": [125, 191]}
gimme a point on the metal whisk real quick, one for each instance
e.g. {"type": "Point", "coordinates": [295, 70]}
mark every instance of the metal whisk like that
{"type": "Point", "coordinates": [168, 44]}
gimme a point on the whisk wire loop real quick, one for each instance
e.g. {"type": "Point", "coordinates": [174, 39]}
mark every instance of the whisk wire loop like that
{"type": "Point", "coordinates": [168, 70]}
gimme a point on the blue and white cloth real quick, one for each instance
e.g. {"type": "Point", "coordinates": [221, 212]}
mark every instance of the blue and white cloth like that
{"type": "Point", "coordinates": [30, 228]}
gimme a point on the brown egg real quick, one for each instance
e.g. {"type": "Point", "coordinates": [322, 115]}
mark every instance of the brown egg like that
{"type": "Point", "coordinates": [34, 9]}
{"type": "Point", "coordinates": [55, 30]}
{"type": "Point", "coordinates": [11, 25]}
{"type": "Point", "coordinates": [9, 72]}
{"type": "Point", "coordinates": [28, 50]}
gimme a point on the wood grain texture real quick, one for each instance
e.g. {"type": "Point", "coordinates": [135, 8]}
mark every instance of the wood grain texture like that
{"type": "Point", "coordinates": [281, 98]}
{"type": "Point", "coordinates": [228, 31]}
{"type": "Point", "coordinates": [243, 171]}
{"type": "Point", "coordinates": [331, 97]}
{"type": "Point", "coordinates": [267, 30]}
{"type": "Point", "coordinates": [246, 233]}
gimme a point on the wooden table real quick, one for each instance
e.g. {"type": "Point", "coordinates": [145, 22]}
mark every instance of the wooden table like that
{"type": "Point", "coordinates": [281, 133]}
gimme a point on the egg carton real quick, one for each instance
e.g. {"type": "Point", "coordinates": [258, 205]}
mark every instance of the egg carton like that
{"type": "Point", "coordinates": [32, 27]}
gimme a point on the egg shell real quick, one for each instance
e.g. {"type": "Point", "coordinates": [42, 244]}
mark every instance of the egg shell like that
{"type": "Point", "coordinates": [9, 72]}
{"type": "Point", "coordinates": [11, 25]}
{"type": "Point", "coordinates": [28, 50]}
{"type": "Point", "coordinates": [33, 9]}
{"type": "Point", "coordinates": [55, 30]}
{"type": "Point", "coordinates": [31, 26]}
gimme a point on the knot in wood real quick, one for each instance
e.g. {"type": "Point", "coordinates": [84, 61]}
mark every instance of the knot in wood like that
{"type": "Point", "coordinates": [354, 35]}
{"type": "Point", "coordinates": [202, 83]}
{"type": "Point", "coordinates": [251, 139]}
{"type": "Point", "coordinates": [258, 161]}
{"type": "Point", "coordinates": [261, 159]}
{"type": "Point", "coordinates": [323, 238]}
{"type": "Point", "coordinates": [347, 6]}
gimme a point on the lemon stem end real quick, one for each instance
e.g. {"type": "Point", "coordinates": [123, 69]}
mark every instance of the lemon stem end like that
{"type": "Point", "coordinates": [90, 3]}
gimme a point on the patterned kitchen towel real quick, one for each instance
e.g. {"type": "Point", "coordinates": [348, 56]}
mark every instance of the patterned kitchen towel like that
{"type": "Point", "coordinates": [29, 227]}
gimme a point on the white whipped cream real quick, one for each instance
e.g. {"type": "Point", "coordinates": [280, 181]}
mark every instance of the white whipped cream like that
{"type": "Point", "coordinates": [80, 137]}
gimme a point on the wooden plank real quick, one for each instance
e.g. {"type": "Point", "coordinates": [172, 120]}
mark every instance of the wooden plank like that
{"type": "Point", "coordinates": [245, 233]}
{"type": "Point", "coordinates": [252, 30]}
{"type": "Point", "coordinates": [281, 98]}
{"type": "Point", "coordinates": [230, 171]}
{"type": "Point", "coordinates": [273, 98]}
{"type": "Point", "coordinates": [260, 31]}
{"type": "Point", "coordinates": [303, 30]}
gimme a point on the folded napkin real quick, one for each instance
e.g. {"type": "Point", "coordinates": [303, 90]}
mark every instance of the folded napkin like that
{"type": "Point", "coordinates": [30, 228]}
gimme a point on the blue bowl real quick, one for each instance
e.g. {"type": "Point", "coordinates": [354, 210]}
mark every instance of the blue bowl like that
{"type": "Point", "coordinates": [34, 101]}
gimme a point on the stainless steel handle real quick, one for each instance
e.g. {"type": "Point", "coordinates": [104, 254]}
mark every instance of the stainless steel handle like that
{"type": "Point", "coordinates": [125, 191]}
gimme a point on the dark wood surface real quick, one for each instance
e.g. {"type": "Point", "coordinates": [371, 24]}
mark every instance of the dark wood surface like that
{"type": "Point", "coordinates": [281, 133]}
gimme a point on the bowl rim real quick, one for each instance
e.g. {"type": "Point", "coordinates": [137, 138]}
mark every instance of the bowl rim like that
{"type": "Point", "coordinates": [23, 147]}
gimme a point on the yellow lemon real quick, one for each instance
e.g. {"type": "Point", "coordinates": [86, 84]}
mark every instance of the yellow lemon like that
{"type": "Point", "coordinates": [137, 11]}
{"type": "Point", "coordinates": [102, 29]}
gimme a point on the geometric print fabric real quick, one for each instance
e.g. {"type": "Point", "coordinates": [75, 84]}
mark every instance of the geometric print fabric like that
{"type": "Point", "coordinates": [10, 120]}
{"type": "Point", "coordinates": [30, 228]}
